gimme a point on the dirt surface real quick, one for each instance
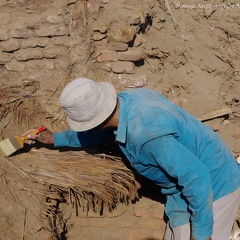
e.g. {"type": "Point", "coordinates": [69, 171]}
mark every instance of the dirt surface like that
{"type": "Point", "coordinates": [191, 55]}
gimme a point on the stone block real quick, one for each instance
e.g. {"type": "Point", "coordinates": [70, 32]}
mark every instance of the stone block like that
{"type": "Point", "coordinates": [100, 222]}
{"type": "Point", "coordinates": [80, 222]}
{"type": "Point", "coordinates": [126, 221]}
{"type": "Point", "coordinates": [15, 66]}
{"type": "Point", "coordinates": [158, 211]}
{"type": "Point", "coordinates": [132, 81]}
{"type": "Point", "coordinates": [89, 233]}
{"type": "Point", "coordinates": [4, 34]}
{"type": "Point", "coordinates": [34, 42]}
{"type": "Point", "coordinates": [107, 66]}
{"type": "Point", "coordinates": [29, 54]}
{"type": "Point", "coordinates": [118, 211]}
{"type": "Point", "coordinates": [158, 235]}
{"type": "Point", "coordinates": [55, 52]}
{"type": "Point", "coordinates": [137, 41]}
{"type": "Point", "coordinates": [5, 57]}
{"type": "Point", "coordinates": [132, 17]}
{"type": "Point", "coordinates": [61, 63]}
{"type": "Point", "coordinates": [143, 208]}
{"type": "Point", "coordinates": [131, 55]}
{"type": "Point", "coordinates": [118, 46]}
{"type": "Point", "coordinates": [97, 36]}
{"type": "Point", "coordinates": [101, 26]}
{"type": "Point", "coordinates": [121, 33]}
{"type": "Point", "coordinates": [10, 45]}
{"type": "Point", "coordinates": [54, 19]}
{"type": "Point", "coordinates": [101, 45]}
{"type": "Point", "coordinates": [107, 56]}
{"type": "Point", "coordinates": [136, 233]}
{"type": "Point", "coordinates": [123, 67]}
{"type": "Point", "coordinates": [148, 223]}
{"type": "Point", "coordinates": [111, 234]}
{"type": "Point", "coordinates": [62, 41]}
{"type": "Point", "coordinates": [40, 64]}
{"type": "Point", "coordinates": [21, 31]}
{"type": "Point", "coordinates": [51, 31]}
{"type": "Point", "coordinates": [141, 212]}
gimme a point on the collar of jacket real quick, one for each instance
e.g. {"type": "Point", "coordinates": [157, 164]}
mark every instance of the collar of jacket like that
{"type": "Point", "coordinates": [122, 124]}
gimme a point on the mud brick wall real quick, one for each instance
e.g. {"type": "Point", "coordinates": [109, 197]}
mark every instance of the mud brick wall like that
{"type": "Point", "coordinates": [142, 220]}
{"type": "Point", "coordinates": [61, 40]}
{"type": "Point", "coordinates": [119, 45]}
{"type": "Point", "coordinates": [119, 51]}
{"type": "Point", "coordinates": [34, 44]}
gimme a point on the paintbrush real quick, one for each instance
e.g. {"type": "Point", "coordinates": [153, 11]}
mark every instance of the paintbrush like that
{"type": "Point", "coordinates": [11, 145]}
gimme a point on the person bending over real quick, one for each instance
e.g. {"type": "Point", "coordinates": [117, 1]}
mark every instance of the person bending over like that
{"type": "Point", "coordinates": [187, 159]}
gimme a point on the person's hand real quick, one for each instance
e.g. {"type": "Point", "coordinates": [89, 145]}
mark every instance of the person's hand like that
{"type": "Point", "coordinates": [45, 136]}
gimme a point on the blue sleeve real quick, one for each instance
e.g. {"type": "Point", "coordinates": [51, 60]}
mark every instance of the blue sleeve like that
{"type": "Point", "coordinates": [191, 175]}
{"type": "Point", "coordinates": [89, 138]}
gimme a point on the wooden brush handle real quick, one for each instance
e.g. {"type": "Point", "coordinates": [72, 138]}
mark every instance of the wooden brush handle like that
{"type": "Point", "coordinates": [40, 129]}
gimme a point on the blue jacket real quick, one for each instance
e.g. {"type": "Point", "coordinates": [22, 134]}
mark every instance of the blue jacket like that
{"type": "Point", "coordinates": [164, 143]}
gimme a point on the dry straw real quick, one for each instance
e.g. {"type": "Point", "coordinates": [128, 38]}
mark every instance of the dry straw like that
{"type": "Point", "coordinates": [92, 182]}
{"type": "Point", "coordinates": [84, 181]}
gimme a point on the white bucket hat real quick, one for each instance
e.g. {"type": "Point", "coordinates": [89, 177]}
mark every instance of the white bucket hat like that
{"type": "Point", "coordinates": [87, 103]}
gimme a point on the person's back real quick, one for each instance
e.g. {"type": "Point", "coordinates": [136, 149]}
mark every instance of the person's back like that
{"type": "Point", "coordinates": [176, 151]}
{"type": "Point", "coordinates": [150, 115]}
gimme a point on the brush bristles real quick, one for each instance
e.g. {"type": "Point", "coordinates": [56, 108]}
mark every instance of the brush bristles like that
{"type": "Point", "coordinates": [9, 146]}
